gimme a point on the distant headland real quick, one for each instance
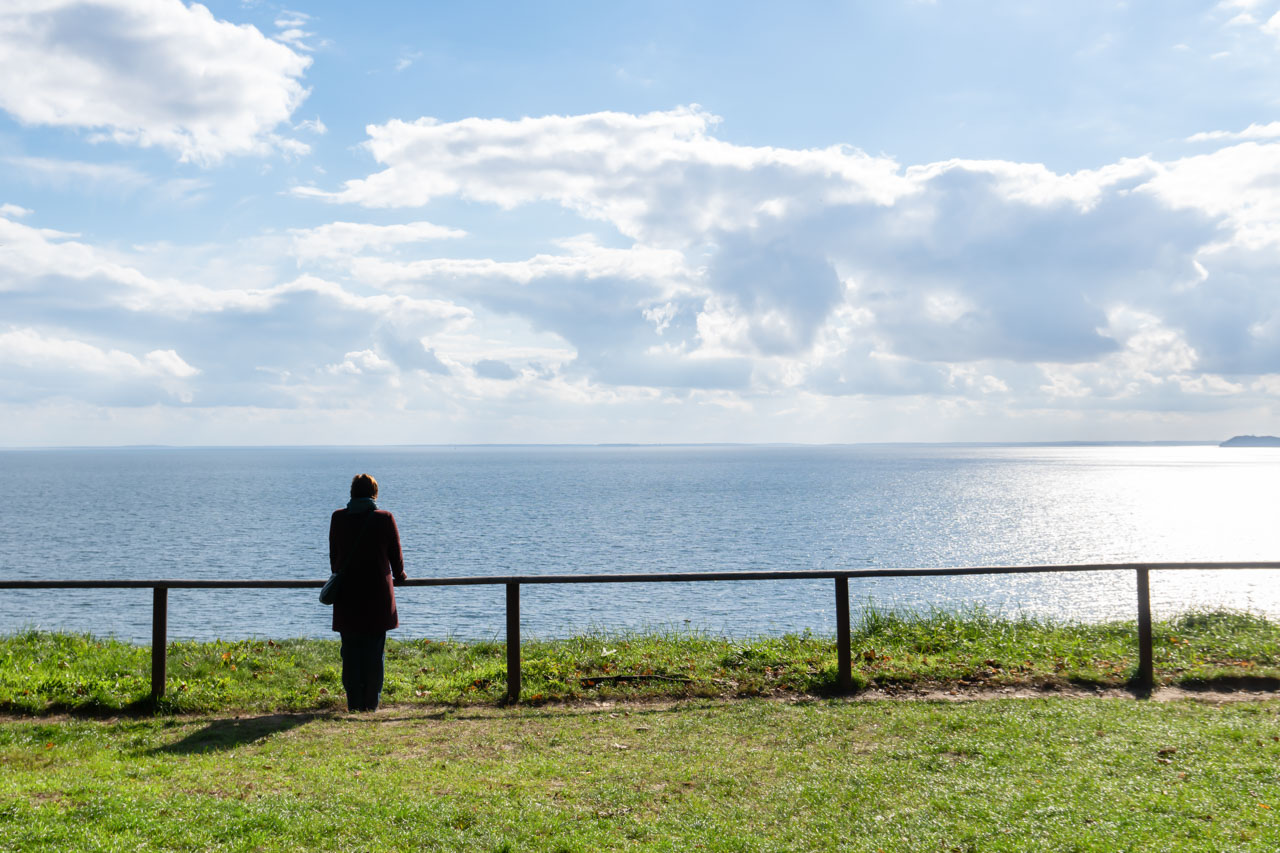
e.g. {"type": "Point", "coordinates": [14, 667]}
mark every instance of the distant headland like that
{"type": "Point", "coordinates": [1252, 441]}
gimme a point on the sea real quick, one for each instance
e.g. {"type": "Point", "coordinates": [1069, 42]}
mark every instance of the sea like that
{"type": "Point", "coordinates": [249, 513]}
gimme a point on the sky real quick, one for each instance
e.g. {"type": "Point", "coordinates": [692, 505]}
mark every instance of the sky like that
{"type": "Point", "coordinates": [437, 223]}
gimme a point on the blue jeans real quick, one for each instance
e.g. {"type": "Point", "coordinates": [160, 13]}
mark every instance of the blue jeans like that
{"type": "Point", "coordinates": [362, 669]}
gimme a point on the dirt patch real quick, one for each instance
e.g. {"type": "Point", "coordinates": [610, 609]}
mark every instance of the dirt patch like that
{"type": "Point", "coordinates": [971, 693]}
{"type": "Point", "coordinates": [391, 714]}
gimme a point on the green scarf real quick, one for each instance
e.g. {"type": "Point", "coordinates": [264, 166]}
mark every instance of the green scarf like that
{"type": "Point", "coordinates": [358, 505]}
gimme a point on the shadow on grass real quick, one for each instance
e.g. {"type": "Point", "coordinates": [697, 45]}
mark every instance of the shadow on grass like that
{"type": "Point", "coordinates": [221, 735]}
{"type": "Point", "coordinates": [90, 709]}
{"type": "Point", "coordinates": [227, 733]}
{"type": "Point", "coordinates": [1253, 683]}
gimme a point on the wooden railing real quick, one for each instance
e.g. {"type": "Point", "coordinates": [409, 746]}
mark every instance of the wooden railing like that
{"type": "Point", "coordinates": [844, 664]}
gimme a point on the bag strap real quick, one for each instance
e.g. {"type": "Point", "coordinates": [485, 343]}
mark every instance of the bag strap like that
{"type": "Point", "coordinates": [351, 552]}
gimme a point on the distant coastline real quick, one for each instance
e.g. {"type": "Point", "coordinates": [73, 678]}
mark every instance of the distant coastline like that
{"type": "Point", "coordinates": [1252, 441]}
{"type": "Point", "coordinates": [621, 445]}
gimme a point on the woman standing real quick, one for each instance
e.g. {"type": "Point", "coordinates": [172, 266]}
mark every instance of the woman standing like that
{"type": "Point", "coordinates": [364, 543]}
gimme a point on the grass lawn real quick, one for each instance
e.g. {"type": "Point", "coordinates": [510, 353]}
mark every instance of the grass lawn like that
{"type": "Point", "coordinates": [650, 742]}
{"type": "Point", "coordinates": [753, 774]}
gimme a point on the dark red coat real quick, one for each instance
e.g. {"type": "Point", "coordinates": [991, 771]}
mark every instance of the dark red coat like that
{"type": "Point", "coordinates": [367, 603]}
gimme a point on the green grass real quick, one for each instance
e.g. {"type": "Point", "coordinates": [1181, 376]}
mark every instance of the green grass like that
{"type": "Point", "coordinates": [248, 750]}
{"type": "Point", "coordinates": [48, 673]}
{"type": "Point", "coordinates": [752, 775]}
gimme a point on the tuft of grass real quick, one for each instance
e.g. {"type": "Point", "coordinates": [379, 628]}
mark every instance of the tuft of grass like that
{"type": "Point", "coordinates": [43, 673]}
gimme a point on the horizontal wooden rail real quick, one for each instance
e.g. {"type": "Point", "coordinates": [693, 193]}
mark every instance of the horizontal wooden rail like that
{"type": "Point", "coordinates": [636, 577]}
{"type": "Point", "coordinates": [512, 583]}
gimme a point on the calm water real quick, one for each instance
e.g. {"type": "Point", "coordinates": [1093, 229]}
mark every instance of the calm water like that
{"type": "Point", "coordinates": [263, 513]}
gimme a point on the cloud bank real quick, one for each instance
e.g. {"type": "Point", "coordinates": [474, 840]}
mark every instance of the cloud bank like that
{"type": "Point", "coordinates": [842, 273]}
{"type": "Point", "coordinates": [793, 286]}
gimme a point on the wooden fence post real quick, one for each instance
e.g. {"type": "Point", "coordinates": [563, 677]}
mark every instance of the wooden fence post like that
{"type": "Point", "coordinates": [1146, 661]}
{"type": "Point", "coordinates": [513, 642]}
{"type": "Point", "coordinates": [159, 638]}
{"type": "Point", "coordinates": [844, 656]}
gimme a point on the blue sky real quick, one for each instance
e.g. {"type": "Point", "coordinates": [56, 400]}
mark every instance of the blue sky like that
{"type": "Point", "coordinates": [247, 223]}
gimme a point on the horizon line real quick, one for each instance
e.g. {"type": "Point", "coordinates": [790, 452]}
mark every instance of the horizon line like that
{"type": "Point", "coordinates": [623, 444]}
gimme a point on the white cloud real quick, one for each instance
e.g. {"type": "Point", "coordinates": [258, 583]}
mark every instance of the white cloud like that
{"type": "Point", "coordinates": [1271, 130]}
{"type": "Point", "coordinates": [26, 253]}
{"type": "Point", "coordinates": [35, 365]}
{"type": "Point", "coordinates": [32, 256]}
{"type": "Point", "coordinates": [407, 58]}
{"type": "Point", "coordinates": [582, 257]}
{"type": "Point", "coordinates": [1151, 349]}
{"type": "Point", "coordinates": [1035, 184]}
{"type": "Point", "coordinates": [238, 336]}
{"type": "Point", "coordinates": [364, 361]}
{"type": "Point", "coordinates": [28, 348]}
{"type": "Point", "coordinates": [289, 30]}
{"type": "Point", "coordinates": [295, 37]}
{"type": "Point", "coordinates": [1251, 17]}
{"type": "Point", "coordinates": [314, 125]}
{"type": "Point", "coordinates": [339, 239]}
{"type": "Point", "coordinates": [169, 362]}
{"type": "Point", "coordinates": [613, 166]}
{"type": "Point", "coordinates": [13, 211]}
{"type": "Point", "coordinates": [1237, 183]}
{"type": "Point", "coordinates": [150, 73]}
{"type": "Point", "coordinates": [1154, 369]}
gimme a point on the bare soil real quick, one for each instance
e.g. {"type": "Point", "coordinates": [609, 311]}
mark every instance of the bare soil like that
{"type": "Point", "coordinates": [915, 693]}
